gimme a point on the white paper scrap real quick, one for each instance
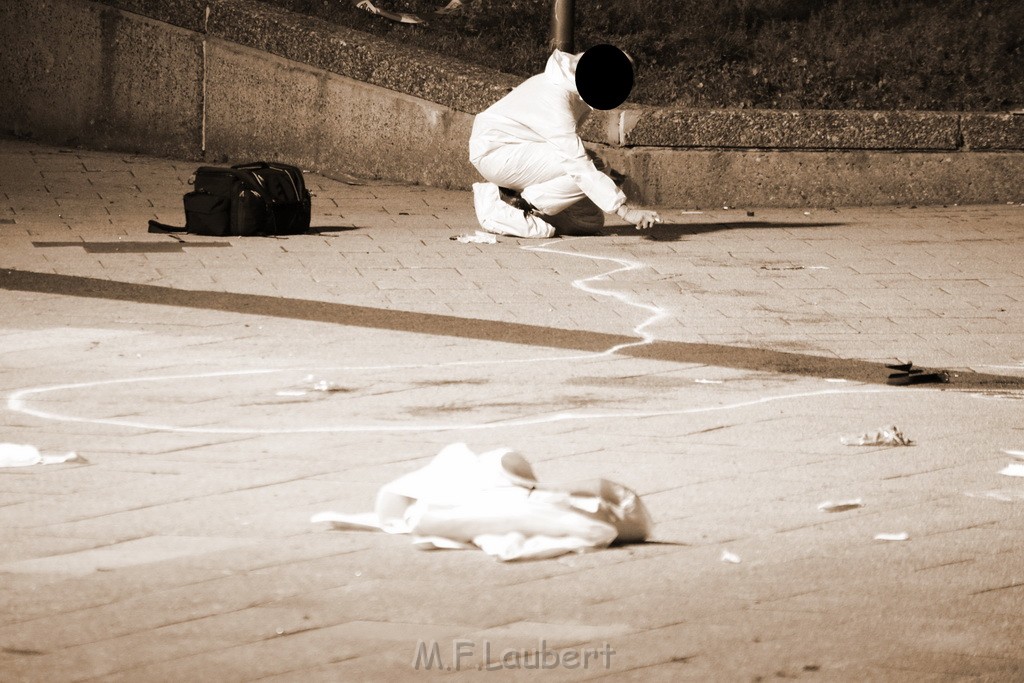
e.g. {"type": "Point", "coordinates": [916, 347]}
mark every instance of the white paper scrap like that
{"type": "Point", "coordinates": [731, 558]}
{"type": "Point", "coordinates": [61, 459]}
{"type": "Point", "coordinates": [21, 455]}
{"type": "Point", "coordinates": [480, 237]}
{"type": "Point", "coordinates": [841, 505]}
{"type": "Point", "coordinates": [1014, 469]}
{"type": "Point", "coordinates": [327, 386]}
{"type": "Point", "coordinates": [884, 436]}
{"type": "Point", "coordinates": [901, 536]}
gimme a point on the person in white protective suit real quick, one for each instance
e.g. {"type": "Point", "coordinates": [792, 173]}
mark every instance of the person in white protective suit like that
{"type": "Point", "coordinates": [540, 177]}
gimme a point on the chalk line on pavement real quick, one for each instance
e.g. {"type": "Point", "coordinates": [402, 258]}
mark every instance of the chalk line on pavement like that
{"type": "Point", "coordinates": [18, 401]}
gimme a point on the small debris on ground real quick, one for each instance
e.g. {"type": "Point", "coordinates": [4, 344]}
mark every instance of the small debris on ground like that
{"type": "Point", "coordinates": [480, 237]}
{"type": "Point", "coordinates": [884, 436]}
{"type": "Point", "coordinates": [327, 386]}
{"type": "Point", "coordinates": [906, 374]}
{"type": "Point", "coordinates": [901, 536]}
{"type": "Point", "coordinates": [405, 17]}
{"type": "Point", "coordinates": [841, 505]}
{"type": "Point", "coordinates": [400, 17]}
{"type": "Point", "coordinates": [731, 558]}
{"type": "Point", "coordinates": [1014, 469]}
{"type": "Point", "coordinates": [23, 455]}
{"type": "Point", "coordinates": [314, 384]}
{"type": "Point", "coordinates": [453, 6]}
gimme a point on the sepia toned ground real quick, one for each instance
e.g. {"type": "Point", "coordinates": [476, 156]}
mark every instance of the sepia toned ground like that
{"type": "Point", "coordinates": [713, 364]}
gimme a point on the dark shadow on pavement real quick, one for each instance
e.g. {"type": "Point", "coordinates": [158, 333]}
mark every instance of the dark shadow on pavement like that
{"type": "Point", "coordinates": [127, 247]}
{"type": "Point", "coordinates": [327, 229]}
{"type": "Point", "coordinates": [673, 232]}
{"type": "Point", "coordinates": [739, 357]}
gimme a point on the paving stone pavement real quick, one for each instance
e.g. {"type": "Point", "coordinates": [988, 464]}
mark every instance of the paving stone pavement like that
{"type": "Point", "coordinates": [713, 364]}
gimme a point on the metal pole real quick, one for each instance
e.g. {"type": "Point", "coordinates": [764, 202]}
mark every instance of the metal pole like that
{"type": "Point", "coordinates": [563, 15]}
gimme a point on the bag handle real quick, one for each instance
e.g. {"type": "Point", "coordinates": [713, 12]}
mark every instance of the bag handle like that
{"type": "Point", "coordinates": [163, 228]}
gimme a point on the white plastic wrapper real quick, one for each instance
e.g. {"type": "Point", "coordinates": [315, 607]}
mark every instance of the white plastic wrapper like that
{"type": "Point", "coordinates": [494, 502]}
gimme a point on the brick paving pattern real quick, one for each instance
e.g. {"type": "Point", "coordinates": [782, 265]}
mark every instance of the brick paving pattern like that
{"type": "Point", "coordinates": [181, 549]}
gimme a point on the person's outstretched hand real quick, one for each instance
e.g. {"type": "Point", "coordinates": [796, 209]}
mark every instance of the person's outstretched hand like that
{"type": "Point", "coordinates": [640, 218]}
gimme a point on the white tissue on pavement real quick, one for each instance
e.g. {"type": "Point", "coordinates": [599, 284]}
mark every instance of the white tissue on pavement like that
{"type": "Point", "coordinates": [480, 237]}
{"type": "Point", "coordinates": [493, 501]}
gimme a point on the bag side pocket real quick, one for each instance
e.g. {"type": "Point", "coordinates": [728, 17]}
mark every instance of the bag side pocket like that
{"type": "Point", "coordinates": [207, 214]}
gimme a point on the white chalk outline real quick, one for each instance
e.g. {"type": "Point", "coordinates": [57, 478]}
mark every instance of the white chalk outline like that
{"type": "Point", "coordinates": [17, 401]}
{"type": "Point", "coordinates": [1002, 367]}
{"type": "Point", "coordinates": [626, 265]}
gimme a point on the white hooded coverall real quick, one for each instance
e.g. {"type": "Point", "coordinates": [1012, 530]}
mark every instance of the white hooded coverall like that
{"type": "Point", "coordinates": [528, 142]}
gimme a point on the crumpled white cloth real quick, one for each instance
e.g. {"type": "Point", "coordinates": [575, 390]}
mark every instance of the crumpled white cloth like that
{"type": "Point", "coordinates": [493, 501]}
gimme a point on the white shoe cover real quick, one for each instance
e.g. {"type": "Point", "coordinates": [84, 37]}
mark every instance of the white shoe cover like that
{"type": "Point", "coordinates": [500, 218]}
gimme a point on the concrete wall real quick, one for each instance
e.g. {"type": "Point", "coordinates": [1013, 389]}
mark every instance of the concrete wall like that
{"type": "Point", "coordinates": [83, 73]}
{"type": "Point", "coordinates": [328, 122]}
{"type": "Point", "coordinates": [231, 80]}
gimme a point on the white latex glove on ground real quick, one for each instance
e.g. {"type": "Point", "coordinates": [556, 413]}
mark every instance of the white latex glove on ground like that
{"type": "Point", "coordinates": [638, 217]}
